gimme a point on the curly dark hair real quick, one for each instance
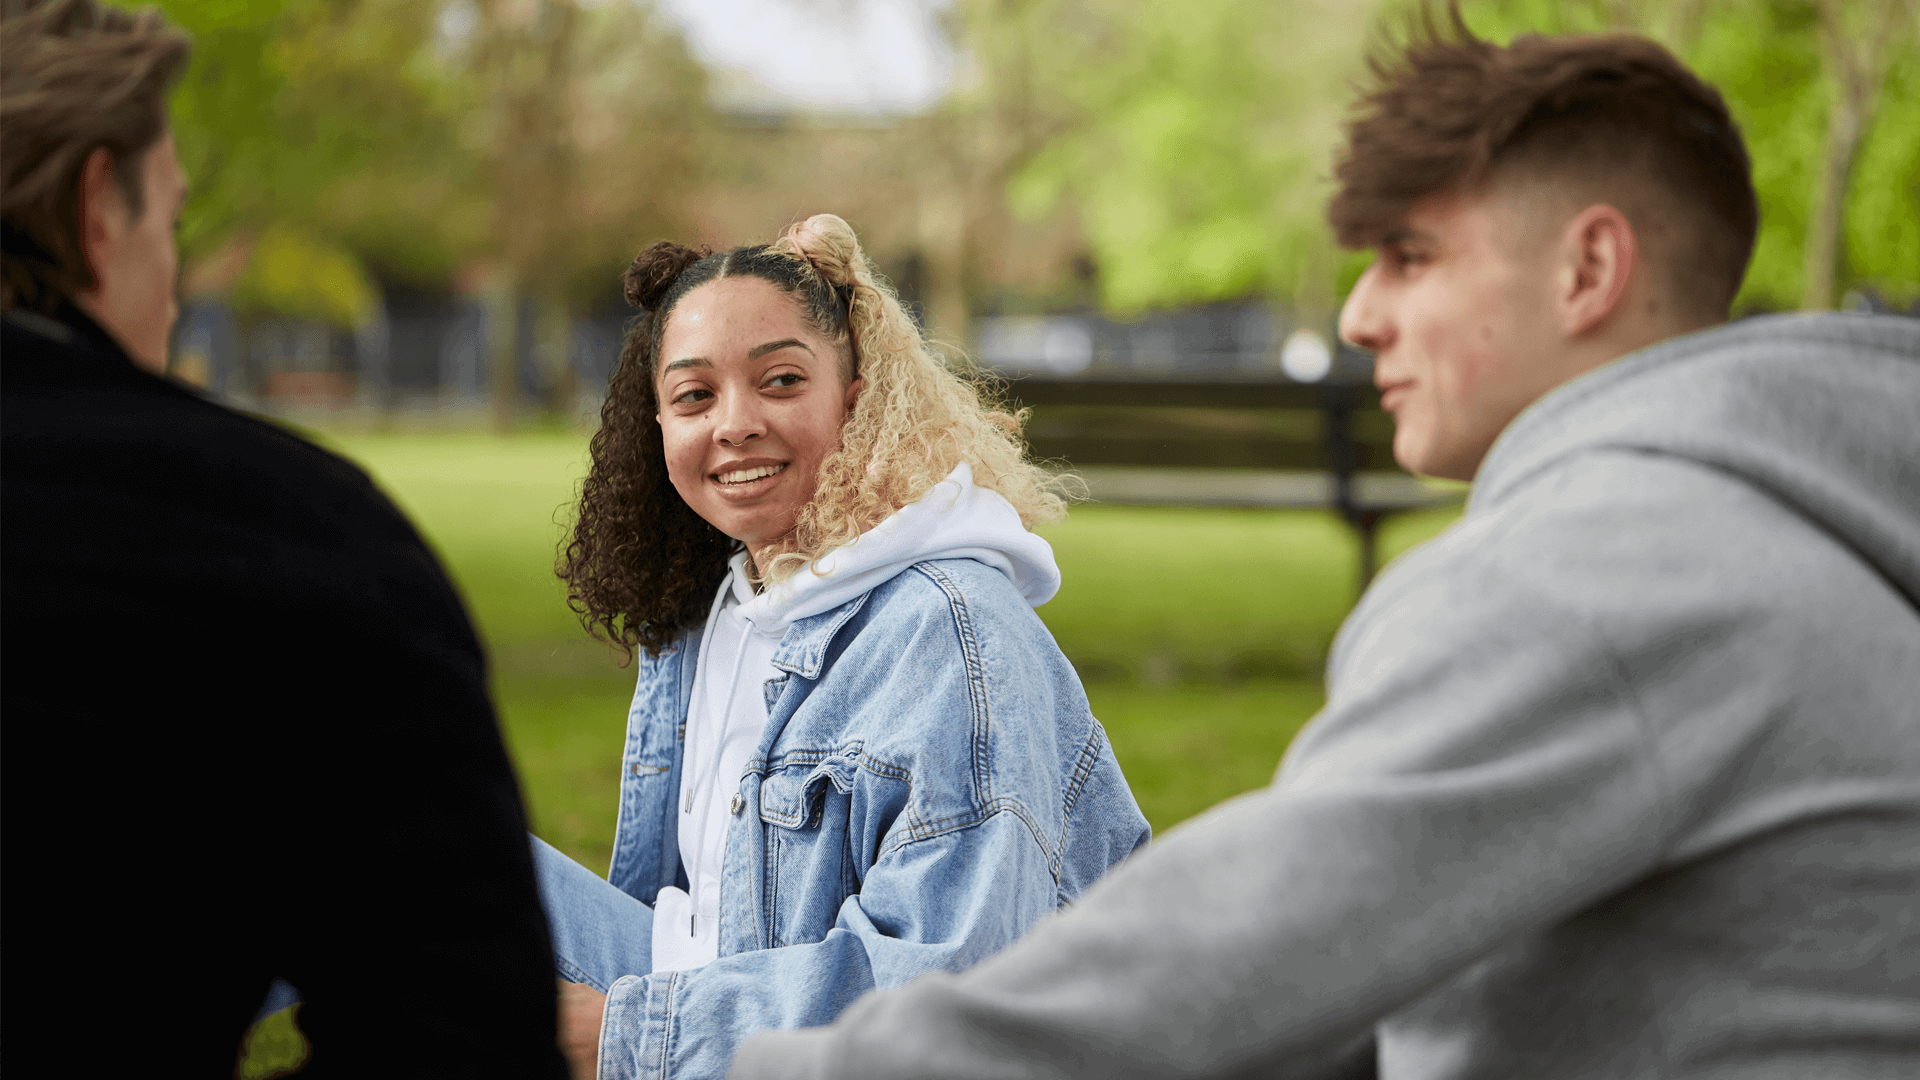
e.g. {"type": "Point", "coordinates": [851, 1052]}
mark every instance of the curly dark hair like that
{"type": "Point", "coordinates": [641, 565]}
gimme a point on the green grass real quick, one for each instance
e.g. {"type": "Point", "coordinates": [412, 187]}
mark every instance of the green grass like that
{"type": "Point", "coordinates": [1200, 633]}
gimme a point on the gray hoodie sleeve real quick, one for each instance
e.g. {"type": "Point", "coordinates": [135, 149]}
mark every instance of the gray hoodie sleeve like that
{"type": "Point", "coordinates": [1481, 769]}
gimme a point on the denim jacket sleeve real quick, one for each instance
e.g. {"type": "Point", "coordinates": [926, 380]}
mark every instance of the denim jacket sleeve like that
{"type": "Point", "coordinates": [930, 788]}
{"type": "Point", "coordinates": [690, 1023]}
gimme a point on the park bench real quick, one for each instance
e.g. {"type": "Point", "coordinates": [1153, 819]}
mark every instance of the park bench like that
{"type": "Point", "coordinates": [1178, 439]}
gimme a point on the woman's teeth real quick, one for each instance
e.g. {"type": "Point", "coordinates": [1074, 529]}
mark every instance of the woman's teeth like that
{"type": "Point", "coordinates": [741, 476]}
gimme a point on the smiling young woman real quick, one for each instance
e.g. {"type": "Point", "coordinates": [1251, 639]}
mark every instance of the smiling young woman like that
{"type": "Point", "coordinates": [854, 754]}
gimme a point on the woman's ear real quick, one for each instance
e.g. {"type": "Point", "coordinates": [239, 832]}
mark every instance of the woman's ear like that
{"type": "Point", "coordinates": [853, 394]}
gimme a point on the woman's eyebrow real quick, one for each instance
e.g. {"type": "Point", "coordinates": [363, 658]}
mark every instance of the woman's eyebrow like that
{"type": "Point", "coordinates": [759, 351]}
{"type": "Point", "coordinates": [687, 362]}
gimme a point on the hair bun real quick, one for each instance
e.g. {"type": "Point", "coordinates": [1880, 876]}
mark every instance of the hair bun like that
{"type": "Point", "coordinates": [827, 242]}
{"type": "Point", "coordinates": [654, 271]}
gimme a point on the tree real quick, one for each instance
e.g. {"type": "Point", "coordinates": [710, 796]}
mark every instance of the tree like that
{"type": "Point", "coordinates": [1859, 41]}
{"type": "Point", "coordinates": [1194, 142]}
{"type": "Point", "coordinates": [591, 132]}
{"type": "Point", "coordinates": [317, 118]}
{"type": "Point", "coordinates": [1198, 144]}
{"type": "Point", "coordinates": [1831, 120]}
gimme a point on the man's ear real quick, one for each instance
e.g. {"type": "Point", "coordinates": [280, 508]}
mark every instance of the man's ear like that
{"type": "Point", "coordinates": [1599, 257]}
{"type": "Point", "coordinates": [103, 212]}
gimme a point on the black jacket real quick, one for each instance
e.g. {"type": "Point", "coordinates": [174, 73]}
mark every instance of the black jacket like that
{"type": "Point", "coordinates": [246, 735]}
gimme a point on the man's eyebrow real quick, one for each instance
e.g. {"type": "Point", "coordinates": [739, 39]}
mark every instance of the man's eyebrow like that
{"type": "Point", "coordinates": [687, 362]}
{"type": "Point", "coordinates": [759, 351]}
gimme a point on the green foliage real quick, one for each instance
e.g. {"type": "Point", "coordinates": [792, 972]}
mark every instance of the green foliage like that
{"type": "Point", "coordinates": [320, 120]}
{"type": "Point", "coordinates": [366, 134]}
{"type": "Point", "coordinates": [223, 113]}
{"type": "Point", "coordinates": [1199, 161]}
{"type": "Point", "coordinates": [1205, 134]}
{"type": "Point", "coordinates": [1764, 57]}
{"type": "Point", "coordinates": [295, 273]}
{"type": "Point", "coordinates": [1882, 240]}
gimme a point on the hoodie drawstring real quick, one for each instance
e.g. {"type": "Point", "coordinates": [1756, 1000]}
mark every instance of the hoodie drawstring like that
{"type": "Point", "coordinates": [726, 712]}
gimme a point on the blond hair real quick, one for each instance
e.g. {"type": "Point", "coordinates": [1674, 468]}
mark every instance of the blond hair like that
{"type": "Point", "coordinates": [915, 420]}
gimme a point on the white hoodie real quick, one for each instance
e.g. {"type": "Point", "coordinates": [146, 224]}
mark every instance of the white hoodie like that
{"type": "Point", "coordinates": [956, 520]}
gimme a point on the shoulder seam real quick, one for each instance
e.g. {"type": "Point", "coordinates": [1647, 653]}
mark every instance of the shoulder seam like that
{"type": "Point", "coordinates": [961, 822]}
{"type": "Point", "coordinates": [976, 677]}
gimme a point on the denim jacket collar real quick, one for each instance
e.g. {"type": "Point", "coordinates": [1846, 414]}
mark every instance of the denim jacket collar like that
{"type": "Point", "coordinates": [803, 649]}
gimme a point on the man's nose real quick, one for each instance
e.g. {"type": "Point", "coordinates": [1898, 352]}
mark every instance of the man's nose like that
{"type": "Point", "coordinates": [1363, 321]}
{"type": "Point", "coordinates": [740, 419]}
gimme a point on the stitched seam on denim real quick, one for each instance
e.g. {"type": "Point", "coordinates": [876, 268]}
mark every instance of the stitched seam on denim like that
{"type": "Point", "coordinates": [816, 650]}
{"type": "Point", "coordinates": [807, 757]}
{"type": "Point", "coordinates": [574, 974]}
{"type": "Point", "coordinates": [620, 865]}
{"type": "Point", "coordinates": [667, 1018]}
{"type": "Point", "coordinates": [976, 677]}
{"type": "Point", "coordinates": [961, 823]}
{"type": "Point", "coordinates": [854, 750]}
{"type": "Point", "coordinates": [1083, 766]}
{"type": "Point", "coordinates": [771, 905]}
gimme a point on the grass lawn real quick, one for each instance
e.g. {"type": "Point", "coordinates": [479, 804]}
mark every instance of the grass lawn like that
{"type": "Point", "coordinates": [1200, 633]}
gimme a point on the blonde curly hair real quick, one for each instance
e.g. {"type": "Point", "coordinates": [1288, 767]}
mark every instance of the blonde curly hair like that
{"type": "Point", "coordinates": [641, 565]}
{"type": "Point", "coordinates": [915, 420]}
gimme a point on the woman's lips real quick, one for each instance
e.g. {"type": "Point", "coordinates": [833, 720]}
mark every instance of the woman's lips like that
{"type": "Point", "coordinates": [745, 475]}
{"type": "Point", "coordinates": [755, 479]}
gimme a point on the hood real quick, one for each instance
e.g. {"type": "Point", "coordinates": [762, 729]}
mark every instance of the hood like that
{"type": "Point", "coordinates": [1822, 412]}
{"type": "Point", "coordinates": [958, 519]}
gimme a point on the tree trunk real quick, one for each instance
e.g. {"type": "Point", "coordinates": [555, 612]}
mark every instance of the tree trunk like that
{"type": "Point", "coordinates": [1857, 53]}
{"type": "Point", "coordinates": [943, 249]}
{"type": "Point", "coordinates": [554, 345]}
{"type": "Point", "coordinates": [503, 351]}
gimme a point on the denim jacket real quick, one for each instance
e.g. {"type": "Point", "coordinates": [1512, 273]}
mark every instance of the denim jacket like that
{"type": "Point", "coordinates": [930, 783]}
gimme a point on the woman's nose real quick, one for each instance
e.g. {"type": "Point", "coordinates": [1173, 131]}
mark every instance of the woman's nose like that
{"type": "Point", "coordinates": [740, 419]}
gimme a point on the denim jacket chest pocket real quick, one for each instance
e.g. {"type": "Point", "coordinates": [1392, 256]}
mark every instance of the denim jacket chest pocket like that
{"type": "Point", "coordinates": [811, 867]}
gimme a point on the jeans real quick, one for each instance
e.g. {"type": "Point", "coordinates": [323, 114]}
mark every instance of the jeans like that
{"type": "Point", "coordinates": [599, 932]}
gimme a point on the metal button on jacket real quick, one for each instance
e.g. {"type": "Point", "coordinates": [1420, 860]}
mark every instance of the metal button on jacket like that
{"type": "Point", "coordinates": [739, 801]}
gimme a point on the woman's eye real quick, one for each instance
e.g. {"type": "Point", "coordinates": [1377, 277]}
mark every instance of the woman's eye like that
{"type": "Point", "coordinates": [692, 397]}
{"type": "Point", "coordinates": [787, 379]}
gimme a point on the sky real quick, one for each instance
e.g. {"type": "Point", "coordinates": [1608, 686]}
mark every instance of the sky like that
{"type": "Point", "coordinates": [846, 57]}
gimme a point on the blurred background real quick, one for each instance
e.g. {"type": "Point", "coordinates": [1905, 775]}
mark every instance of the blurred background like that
{"type": "Point", "coordinates": [409, 219]}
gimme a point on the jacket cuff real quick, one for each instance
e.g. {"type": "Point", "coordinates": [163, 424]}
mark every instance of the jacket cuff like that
{"type": "Point", "coordinates": [634, 1030]}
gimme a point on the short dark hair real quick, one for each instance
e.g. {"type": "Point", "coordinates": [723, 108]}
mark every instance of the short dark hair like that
{"type": "Point", "coordinates": [75, 76]}
{"type": "Point", "coordinates": [1614, 116]}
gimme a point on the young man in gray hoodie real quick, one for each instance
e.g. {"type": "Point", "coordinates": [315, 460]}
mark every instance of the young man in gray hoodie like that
{"type": "Point", "coordinates": [1620, 777]}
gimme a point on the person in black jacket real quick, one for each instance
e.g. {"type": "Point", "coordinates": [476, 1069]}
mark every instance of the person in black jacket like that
{"type": "Point", "coordinates": [247, 732]}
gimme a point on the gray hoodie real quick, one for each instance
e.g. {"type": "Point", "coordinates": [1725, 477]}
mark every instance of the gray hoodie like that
{"type": "Point", "coordinates": [1620, 777]}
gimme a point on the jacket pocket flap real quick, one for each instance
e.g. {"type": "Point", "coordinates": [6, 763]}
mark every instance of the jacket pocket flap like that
{"type": "Point", "coordinates": [788, 797]}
